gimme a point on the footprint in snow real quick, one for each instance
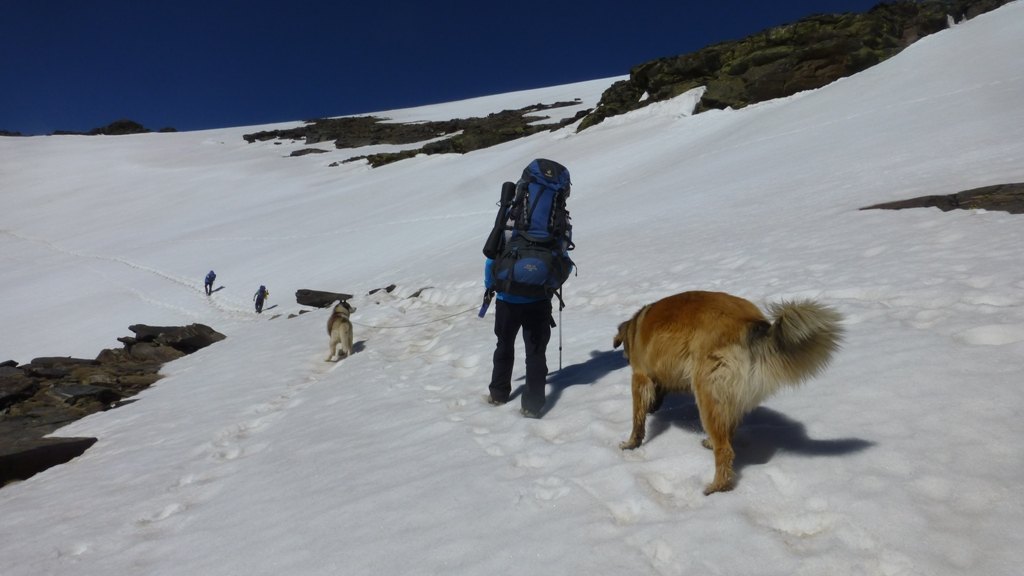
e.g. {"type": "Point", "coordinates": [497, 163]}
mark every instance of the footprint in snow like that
{"type": "Point", "coordinates": [165, 513]}
{"type": "Point", "coordinates": [992, 335]}
{"type": "Point", "coordinates": [550, 488]}
{"type": "Point", "coordinates": [531, 461]}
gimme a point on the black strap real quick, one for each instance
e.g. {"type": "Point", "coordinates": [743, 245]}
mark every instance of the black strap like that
{"type": "Point", "coordinates": [561, 303]}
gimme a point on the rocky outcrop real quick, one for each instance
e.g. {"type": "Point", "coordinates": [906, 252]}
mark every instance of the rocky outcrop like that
{"type": "Point", "coordinates": [36, 455]}
{"type": "Point", "coordinates": [457, 136]}
{"type": "Point", "coordinates": [183, 339]}
{"type": "Point", "coordinates": [319, 298]}
{"type": "Point", "coordinates": [355, 132]}
{"type": "Point", "coordinates": [775, 63]}
{"type": "Point", "coordinates": [307, 151]}
{"type": "Point", "coordinates": [115, 128]}
{"type": "Point", "coordinates": [784, 60]}
{"type": "Point", "coordinates": [49, 392]}
{"type": "Point", "coordinates": [1002, 197]}
{"type": "Point", "coordinates": [120, 128]}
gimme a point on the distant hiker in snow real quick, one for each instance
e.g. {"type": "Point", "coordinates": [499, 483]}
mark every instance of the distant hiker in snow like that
{"type": "Point", "coordinates": [261, 295]}
{"type": "Point", "coordinates": [210, 277]}
{"type": "Point", "coordinates": [527, 262]}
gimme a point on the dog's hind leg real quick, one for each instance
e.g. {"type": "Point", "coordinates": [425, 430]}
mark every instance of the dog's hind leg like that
{"type": "Point", "coordinates": [719, 422]}
{"type": "Point", "coordinates": [643, 398]}
{"type": "Point", "coordinates": [657, 399]}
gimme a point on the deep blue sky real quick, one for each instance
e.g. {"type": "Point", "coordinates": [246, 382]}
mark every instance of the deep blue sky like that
{"type": "Point", "coordinates": [81, 64]}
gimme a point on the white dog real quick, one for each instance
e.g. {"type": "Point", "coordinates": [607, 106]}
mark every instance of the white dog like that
{"type": "Point", "coordinates": [339, 328]}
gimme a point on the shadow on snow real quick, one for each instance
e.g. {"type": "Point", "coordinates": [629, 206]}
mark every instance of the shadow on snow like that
{"type": "Point", "coordinates": [762, 433]}
{"type": "Point", "coordinates": [599, 365]}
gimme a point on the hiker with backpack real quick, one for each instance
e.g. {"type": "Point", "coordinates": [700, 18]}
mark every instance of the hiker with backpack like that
{"type": "Point", "coordinates": [208, 284]}
{"type": "Point", "coordinates": [527, 262]}
{"type": "Point", "coordinates": [261, 295]}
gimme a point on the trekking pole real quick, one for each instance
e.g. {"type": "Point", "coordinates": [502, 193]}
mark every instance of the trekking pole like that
{"type": "Point", "coordinates": [561, 304]}
{"type": "Point", "coordinates": [559, 338]}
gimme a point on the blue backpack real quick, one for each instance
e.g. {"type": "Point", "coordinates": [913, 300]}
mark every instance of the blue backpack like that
{"type": "Point", "coordinates": [533, 233]}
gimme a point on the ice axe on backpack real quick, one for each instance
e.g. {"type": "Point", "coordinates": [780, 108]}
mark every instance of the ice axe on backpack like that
{"type": "Point", "coordinates": [496, 240]}
{"type": "Point", "coordinates": [488, 294]}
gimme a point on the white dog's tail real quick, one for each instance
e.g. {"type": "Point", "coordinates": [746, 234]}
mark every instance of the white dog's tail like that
{"type": "Point", "coordinates": [797, 345]}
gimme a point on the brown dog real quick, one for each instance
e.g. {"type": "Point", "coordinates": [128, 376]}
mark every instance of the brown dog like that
{"type": "Point", "coordinates": [724, 350]}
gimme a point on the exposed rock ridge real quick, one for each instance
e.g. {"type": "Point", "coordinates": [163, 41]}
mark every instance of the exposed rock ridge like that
{"type": "Point", "coordinates": [49, 392]}
{"type": "Point", "coordinates": [781, 61]}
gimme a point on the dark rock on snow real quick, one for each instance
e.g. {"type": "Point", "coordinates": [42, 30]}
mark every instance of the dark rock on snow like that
{"type": "Point", "coordinates": [775, 63]}
{"type": "Point", "coordinates": [458, 136]}
{"type": "Point", "coordinates": [38, 455]}
{"type": "Point", "coordinates": [781, 61]}
{"type": "Point", "coordinates": [1002, 197]}
{"type": "Point", "coordinates": [186, 339]}
{"type": "Point", "coordinates": [319, 298]}
{"type": "Point", "coordinates": [49, 392]}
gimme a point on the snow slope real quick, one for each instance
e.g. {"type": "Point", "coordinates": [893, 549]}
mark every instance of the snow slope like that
{"type": "Point", "coordinates": [254, 456]}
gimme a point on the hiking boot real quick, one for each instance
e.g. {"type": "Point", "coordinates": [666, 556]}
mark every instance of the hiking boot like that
{"type": "Point", "coordinates": [527, 413]}
{"type": "Point", "coordinates": [494, 401]}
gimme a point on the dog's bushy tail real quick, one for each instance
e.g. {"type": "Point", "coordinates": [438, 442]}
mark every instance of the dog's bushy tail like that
{"type": "Point", "coordinates": [798, 344]}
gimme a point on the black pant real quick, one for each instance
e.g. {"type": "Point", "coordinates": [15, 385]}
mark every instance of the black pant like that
{"type": "Point", "coordinates": [535, 320]}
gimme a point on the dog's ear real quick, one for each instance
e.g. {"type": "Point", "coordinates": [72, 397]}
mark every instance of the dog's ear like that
{"type": "Point", "coordinates": [622, 338]}
{"type": "Point", "coordinates": [620, 335]}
